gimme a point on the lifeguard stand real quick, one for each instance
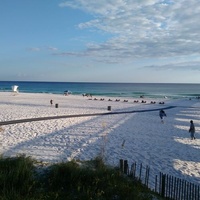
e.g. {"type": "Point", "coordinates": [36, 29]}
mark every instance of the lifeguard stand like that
{"type": "Point", "coordinates": [15, 89]}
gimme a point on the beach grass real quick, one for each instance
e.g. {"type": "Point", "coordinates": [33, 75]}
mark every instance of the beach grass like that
{"type": "Point", "coordinates": [16, 177]}
{"type": "Point", "coordinates": [21, 178]}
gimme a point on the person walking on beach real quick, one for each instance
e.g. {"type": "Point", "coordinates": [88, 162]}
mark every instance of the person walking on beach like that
{"type": "Point", "coordinates": [192, 130]}
{"type": "Point", "coordinates": [162, 114]}
{"type": "Point", "coordinates": [51, 102]}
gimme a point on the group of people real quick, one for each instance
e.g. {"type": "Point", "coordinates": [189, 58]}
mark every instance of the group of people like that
{"type": "Point", "coordinates": [191, 129]}
{"type": "Point", "coordinates": [162, 114]}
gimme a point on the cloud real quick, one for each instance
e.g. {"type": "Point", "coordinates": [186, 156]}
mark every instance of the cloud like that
{"type": "Point", "coordinates": [52, 48]}
{"type": "Point", "coordinates": [34, 49]}
{"type": "Point", "coordinates": [141, 28]}
{"type": "Point", "coordinates": [194, 66]}
{"type": "Point", "coordinates": [49, 48]}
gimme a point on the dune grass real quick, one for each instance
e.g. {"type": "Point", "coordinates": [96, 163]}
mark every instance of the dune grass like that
{"type": "Point", "coordinates": [21, 178]}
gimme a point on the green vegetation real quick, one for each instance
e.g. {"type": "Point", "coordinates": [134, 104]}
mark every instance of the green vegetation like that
{"type": "Point", "coordinates": [22, 178]}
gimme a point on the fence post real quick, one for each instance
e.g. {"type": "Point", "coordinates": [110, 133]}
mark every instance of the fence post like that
{"type": "Point", "coordinates": [133, 170]}
{"type": "Point", "coordinates": [121, 165]}
{"type": "Point", "coordinates": [180, 189]}
{"type": "Point", "coordinates": [156, 182]}
{"type": "Point", "coordinates": [174, 190]}
{"type": "Point", "coordinates": [167, 186]}
{"type": "Point", "coordinates": [140, 172]}
{"type": "Point", "coordinates": [147, 176]}
{"type": "Point", "coordinates": [185, 189]}
{"type": "Point", "coordinates": [126, 167]}
{"type": "Point", "coordinates": [172, 187]}
{"type": "Point", "coordinates": [163, 185]}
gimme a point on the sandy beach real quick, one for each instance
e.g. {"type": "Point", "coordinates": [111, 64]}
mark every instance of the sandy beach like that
{"type": "Point", "coordinates": [137, 137]}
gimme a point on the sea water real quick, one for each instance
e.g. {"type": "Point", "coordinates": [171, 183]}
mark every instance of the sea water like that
{"type": "Point", "coordinates": [151, 90]}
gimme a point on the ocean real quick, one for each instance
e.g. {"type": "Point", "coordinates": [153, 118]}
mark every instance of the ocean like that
{"type": "Point", "coordinates": [150, 90]}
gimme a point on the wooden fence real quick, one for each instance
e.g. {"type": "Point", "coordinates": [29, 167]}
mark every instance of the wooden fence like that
{"type": "Point", "coordinates": [167, 186]}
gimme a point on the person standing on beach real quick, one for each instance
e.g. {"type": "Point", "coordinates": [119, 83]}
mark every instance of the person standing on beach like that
{"type": "Point", "coordinates": [192, 130]}
{"type": "Point", "coordinates": [51, 102]}
{"type": "Point", "coordinates": [162, 114]}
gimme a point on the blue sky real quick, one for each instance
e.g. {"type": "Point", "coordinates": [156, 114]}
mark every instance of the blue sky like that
{"type": "Point", "coordinates": [144, 41]}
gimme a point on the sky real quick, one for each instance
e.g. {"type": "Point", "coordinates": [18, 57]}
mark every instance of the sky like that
{"type": "Point", "coordinates": [134, 41]}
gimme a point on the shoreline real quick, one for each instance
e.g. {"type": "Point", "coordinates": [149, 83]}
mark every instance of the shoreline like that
{"type": "Point", "coordinates": [123, 90]}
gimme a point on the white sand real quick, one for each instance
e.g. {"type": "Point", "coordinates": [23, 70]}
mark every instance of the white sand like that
{"type": "Point", "coordinates": [164, 147]}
